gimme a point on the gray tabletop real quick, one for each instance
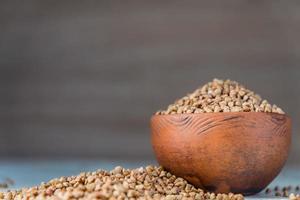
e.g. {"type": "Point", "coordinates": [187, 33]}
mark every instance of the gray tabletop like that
{"type": "Point", "coordinates": [30, 173]}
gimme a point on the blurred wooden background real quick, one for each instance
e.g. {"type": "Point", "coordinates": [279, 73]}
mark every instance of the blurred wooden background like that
{"type": "Point", "coordinates": [82, 78]}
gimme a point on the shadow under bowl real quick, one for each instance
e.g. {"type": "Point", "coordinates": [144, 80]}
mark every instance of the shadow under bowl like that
{"type": "Point", "coordinates": [239, 152]}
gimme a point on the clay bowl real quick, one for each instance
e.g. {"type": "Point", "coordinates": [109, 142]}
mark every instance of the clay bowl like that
{"type": "Point", "coordinates": [240, 152]}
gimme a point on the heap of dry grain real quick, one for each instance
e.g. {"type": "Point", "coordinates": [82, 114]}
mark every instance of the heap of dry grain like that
{"type": "Point", "coordinates": [143, 183]}
{"type": "Point", "coordinates": [221, 96]}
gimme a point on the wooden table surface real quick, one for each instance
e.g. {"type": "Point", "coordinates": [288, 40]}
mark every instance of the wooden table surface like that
{"type": "Point", "coordinates": [29, 173]}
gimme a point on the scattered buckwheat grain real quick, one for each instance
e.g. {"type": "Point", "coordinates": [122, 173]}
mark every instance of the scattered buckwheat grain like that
{"type": "Point", "coordinates": [285, 191]}
{"type": "Point", "coordinates": [221, 96]}
{"type": "Point", "coordinates": [142, 184]}
{"type": "Point", "coordinates": [294, 197]}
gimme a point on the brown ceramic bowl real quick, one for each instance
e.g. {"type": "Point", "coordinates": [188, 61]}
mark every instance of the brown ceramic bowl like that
{"type": "Point", "coordinates": [240, 152]}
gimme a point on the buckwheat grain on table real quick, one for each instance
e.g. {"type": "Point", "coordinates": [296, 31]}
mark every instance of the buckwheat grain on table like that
{"type": "Point", "coordinates": [286, 191]}
{"type": "Point", "coordinates": [142, 183]}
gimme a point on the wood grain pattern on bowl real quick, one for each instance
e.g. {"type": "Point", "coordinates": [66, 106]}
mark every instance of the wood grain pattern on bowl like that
{"type": "Point", "coordinates": [223, 152]}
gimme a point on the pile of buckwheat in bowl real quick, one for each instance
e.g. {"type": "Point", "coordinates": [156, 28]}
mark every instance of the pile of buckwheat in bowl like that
{"type": "Point", "coordinates": [221, 96]}
{"type": "Point", "coordinates": [119, 184]}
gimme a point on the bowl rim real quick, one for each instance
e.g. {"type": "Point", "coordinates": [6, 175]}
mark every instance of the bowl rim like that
{"type": "Point", "coordinates": [219, 113]}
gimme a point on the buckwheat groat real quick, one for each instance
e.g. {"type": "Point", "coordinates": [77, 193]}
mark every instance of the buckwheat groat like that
{"type": "Point", "coordinates": [294, 197]}
{"type": "Point", "coordinates": [221, 96]}
{"type": "Point", "coordinates": [119, 184]}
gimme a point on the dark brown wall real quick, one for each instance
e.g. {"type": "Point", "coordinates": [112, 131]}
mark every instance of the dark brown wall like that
{"type": "Point", "coordinates": [82, 78]}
